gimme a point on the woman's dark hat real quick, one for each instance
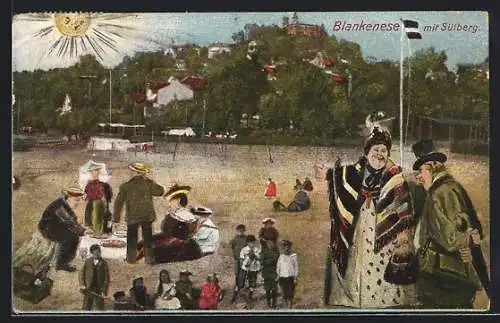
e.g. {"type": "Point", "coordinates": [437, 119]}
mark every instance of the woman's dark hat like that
{"type": "Point", "coordinates": [378, 136]}
{"type": "Point", "coordinates": [201, 210]}
{"type": "Point", "coordinates": [94, 247]}
{"type": "Point", "coordinates": [176, 190]}
{"type": "Point", "coordinates": [426, 151]}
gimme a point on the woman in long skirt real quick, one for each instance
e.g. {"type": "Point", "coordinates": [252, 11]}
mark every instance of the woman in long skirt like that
{"type": "Point", "coordinates": [98, 197]}
{"type": "Point", "coordinates": [373, 220]}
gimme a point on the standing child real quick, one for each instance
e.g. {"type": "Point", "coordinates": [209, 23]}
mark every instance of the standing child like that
{"type": "Point", "coordinates": [237, 243]}
{"type": "Point", "coordinates": [271, 189]}
{"type": "Point", "coordinates": [250, 266]}
{"type": "Point", "coordinates": [270, 256]}
{"type": "Point", "coordinates": [287, 270]}
{"type": "Point", "coordinates": [268, 232]}
{"type": "Point", "coordinates": [94, 280]}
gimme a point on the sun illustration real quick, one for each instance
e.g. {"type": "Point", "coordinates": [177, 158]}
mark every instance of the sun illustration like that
{"type": "Point", "coordinates": [68, 35]}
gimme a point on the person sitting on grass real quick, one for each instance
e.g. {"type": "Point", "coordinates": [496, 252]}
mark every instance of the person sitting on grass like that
{"type": "Point", "coordinates": [121, 303]}
{"type": "Point", "coordinates": [211, 294]}
{"type": "Point", "coordinates": [186, 293]}
{"type": "Point", "coordinates": [139, 294]}
{"type": "Point", "coordinates": [165, 294]}
{"type": "Point", "coordinates": [301, 202]}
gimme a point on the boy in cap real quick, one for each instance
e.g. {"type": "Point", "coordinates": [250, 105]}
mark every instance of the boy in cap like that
{"type": "Point", "coordinates": [137, 197]}
{"type": "Point", "coordinates": [94, 280]}
{"type": "Point", "coordinates": [287, 269]}
{"type": "Point", "coordinates": [448, 230]}
{"type": "Point", "coordinates": [59, 224]}
{"type": "Point", "coordinates": [237, 243]}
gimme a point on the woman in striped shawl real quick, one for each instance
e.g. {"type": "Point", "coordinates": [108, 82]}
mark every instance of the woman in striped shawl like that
{"type": "Point", "coordinates": [372, 219]}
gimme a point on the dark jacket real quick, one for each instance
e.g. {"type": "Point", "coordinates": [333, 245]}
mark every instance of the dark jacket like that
{"type": "Point", "coordinates": [137, 195]}
{"type": "Point", "coordinates": [447, 214]}
{"type": "Point", "coordinates": [269, 260]}
{"type": "Point", "coordinates": [102, 272]}
{"type": "Point", "coordinates": [269, 234]}
{"type": "Point", "coordinates": [59, 222]}
{"type": "Point", "coordinates": [238, 243]}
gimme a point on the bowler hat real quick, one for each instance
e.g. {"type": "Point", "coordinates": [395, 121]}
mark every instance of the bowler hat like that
{"type": "Point", "coordinates": [176, 190]}
{"type": "Point", "coordinates": [426, 151]}
{"type": "Point", "coordinates": [140, 168]}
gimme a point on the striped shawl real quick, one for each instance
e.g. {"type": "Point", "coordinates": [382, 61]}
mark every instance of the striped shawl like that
{"type": "Point", "coordinates": [393, 207]}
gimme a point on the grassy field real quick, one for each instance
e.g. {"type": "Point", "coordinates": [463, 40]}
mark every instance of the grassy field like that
{"type": "Point", "coordinates": [232, 183]}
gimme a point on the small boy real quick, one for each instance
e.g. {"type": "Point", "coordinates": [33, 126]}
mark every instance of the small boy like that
{"type": "Point", "coordinates": [238, 243]}
{"type": "Point", "coordinates": [94, 279]}
{"type": "Point", "coordinates": [250, 267]}
{"type": "Point", "coordinates": [287, 270]}
{"type": "Point", "coordinates": [270, 257]}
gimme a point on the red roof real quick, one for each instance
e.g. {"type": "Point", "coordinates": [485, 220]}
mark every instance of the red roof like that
{"type": "Point", "coordinates": [194, 82]}
{"type": "Point", "coordinates": [339, 78]}
{"type": "Point", "coordinates": [269, 68]}
{"type": "Point", "coordinates": [140, 97]}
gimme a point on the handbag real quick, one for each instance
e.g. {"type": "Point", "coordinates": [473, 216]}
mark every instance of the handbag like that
{"type": "Point", "coordinates": [31, 286]}
{"type": "Point", "coordinates": [402, 270]}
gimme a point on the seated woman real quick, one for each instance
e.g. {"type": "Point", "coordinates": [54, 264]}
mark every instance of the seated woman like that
{"type": "Point", "coordinates": [175, 242]}
{"type": "Point", "coordinates": [165, 295]}
{"type": "Point", "coordinates": [211, 294]}
{"type": "Point", "coordinates": [207, 234]}
{"type": "Point", "coordinates": [186, 293]}
{"type": "Point", "coordinates": [300, 203]}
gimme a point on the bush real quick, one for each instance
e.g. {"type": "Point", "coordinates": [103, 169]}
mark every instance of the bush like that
{"type": "Point", "coordinates": [476, 147]}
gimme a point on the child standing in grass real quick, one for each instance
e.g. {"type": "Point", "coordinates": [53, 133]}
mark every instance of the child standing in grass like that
{"type": "Point", "coordinates": [287, 270]}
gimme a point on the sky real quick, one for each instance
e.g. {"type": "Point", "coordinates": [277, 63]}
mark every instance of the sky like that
{"type": "Point", "coordinates": [152, 31]}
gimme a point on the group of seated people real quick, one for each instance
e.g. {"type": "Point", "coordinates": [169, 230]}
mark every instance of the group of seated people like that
{"type": "Point", "coordinates": [170, 295]}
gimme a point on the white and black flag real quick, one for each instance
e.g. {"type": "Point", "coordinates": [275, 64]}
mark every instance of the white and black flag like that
{"type": "Point", "coordinates": [411, 29]}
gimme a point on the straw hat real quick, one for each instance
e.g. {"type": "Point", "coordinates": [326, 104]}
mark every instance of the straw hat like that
{"type": "Point", "coordinates": [73, 191]}
{"type": "Point", "coordinates": [175, 190]}
{"type": "Point", "coordinates": [94, 166]}
{"type": "Point", "coordinates": [140, 168]}
{"type": "Point", "coordinates": [266, 220]}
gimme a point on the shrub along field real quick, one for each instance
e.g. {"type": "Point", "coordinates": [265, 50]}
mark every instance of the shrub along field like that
{"type": "Point", "coordinates": [229, 180]}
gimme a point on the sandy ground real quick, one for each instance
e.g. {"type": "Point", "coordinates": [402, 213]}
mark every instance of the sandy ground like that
{"type": "Point", "coordinates": [232, 184]}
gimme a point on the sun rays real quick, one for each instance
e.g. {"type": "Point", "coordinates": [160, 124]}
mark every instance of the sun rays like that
{"type": "Point", "coordinates": [65, 36]}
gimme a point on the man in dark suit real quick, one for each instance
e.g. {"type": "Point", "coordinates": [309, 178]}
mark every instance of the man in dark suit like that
{"type": "Point", "coordinates": [94, 280]}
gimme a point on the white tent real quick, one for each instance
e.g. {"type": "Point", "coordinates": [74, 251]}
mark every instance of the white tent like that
{"type": "Point", "coordinates": [84, 174]}
{"type": "Point", "coordinates": [180, 132]}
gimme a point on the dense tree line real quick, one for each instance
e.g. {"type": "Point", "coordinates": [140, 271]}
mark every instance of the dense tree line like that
{"type": "Point", "coordinates": [302, 94]}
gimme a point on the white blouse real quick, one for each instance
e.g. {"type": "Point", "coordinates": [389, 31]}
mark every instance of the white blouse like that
{"type": "Point", "coordinates": [287, 266]}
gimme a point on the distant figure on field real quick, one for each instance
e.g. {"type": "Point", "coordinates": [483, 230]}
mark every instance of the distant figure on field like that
{"type": "Point", "coordinates": [271, 189]}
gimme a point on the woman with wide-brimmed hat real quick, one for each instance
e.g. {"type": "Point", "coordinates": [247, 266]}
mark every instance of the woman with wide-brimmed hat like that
{"type": "Point", "coordinates": [372, 225]}
{"type": "Point", "coordinates": [136, 195]}
{"type": "Point", "coordinates": [98, 195]}
{"type": "Point", "coordinates": [175, 242]}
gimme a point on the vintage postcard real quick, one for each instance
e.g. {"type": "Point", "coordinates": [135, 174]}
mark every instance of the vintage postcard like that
{"type": "Point", "coordinates": [250, 161]}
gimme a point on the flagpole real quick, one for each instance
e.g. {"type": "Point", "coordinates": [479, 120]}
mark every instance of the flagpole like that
{"type": "Point", "coordinates": [401, 95]}
{"type": "Point", "coordinates": [110, 86]}
{"type": "Point", "coordinates": [409, 93]}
